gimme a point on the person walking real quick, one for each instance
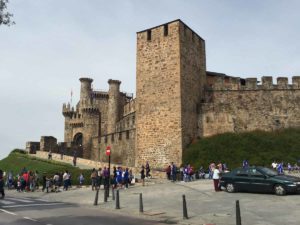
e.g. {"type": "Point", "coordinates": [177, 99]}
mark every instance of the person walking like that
{"type": "Point", "coordinates": [56, 182]}
{"type": "Point", "coordinates": [173, 171]}
{"type": "Point", "coordinates": [245, 164]}
{"type": "Point", "coordinates": [99, 178]}
{"type": "Point", "coordinates": [81, 179]}
{"type": "Point", "coordinates": [168, 172]}
{"type": "Point", "coordinates": [211, 169]}
{"type": "Point", "coordinates": [94, 179]}
{"type": "Point", "coordinates": [126, 178]}
{"type": "Point", "coordinates": [105, 175]}
{"type": "Point", "coordinates": [2, 184]}
{"type": "Point", "coordinates": [119, 180]}
{"type": "Point", "coordinates": [148, 175]}
{"type": "Point", "coordinates": [74, 161]}
{"type": "Point", "coordinates": [66, 178]}
{"type": "Point", "coordinates": [50, 155]}
{"type": "Point", "coordinates": [216, 179]}
{"type": "Point", "coordinates": [143, 175]}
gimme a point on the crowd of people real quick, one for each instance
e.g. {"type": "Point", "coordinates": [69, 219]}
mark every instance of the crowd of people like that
{"type": "Point", "coordinates": [280, 167]}
{"type": "Point", "coordinates": [28, 181]}
{"type": "Point", "coordinates": [187, 173]}
{"type": "Point", "coordinates": [121, 178]}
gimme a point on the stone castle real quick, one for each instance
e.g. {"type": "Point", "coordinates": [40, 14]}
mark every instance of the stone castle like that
{"type": "Point", "coordinates": [177, 101]}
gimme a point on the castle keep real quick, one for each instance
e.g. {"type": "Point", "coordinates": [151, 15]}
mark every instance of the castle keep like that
{"type": "Point", "coordinates": [177, 100]}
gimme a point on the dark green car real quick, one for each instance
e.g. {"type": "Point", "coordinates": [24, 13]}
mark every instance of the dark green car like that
{"type": "Point", "coordinates": [259, 179]}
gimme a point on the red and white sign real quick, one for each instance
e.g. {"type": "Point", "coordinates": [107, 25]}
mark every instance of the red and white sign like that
{"type": "Point", "coordinates": [107, 150]}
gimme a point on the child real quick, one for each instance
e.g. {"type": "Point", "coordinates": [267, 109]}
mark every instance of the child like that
{"type": "Point", "coordinates": [81, 179]}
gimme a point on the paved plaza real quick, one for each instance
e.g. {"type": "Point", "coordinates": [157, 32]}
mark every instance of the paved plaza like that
{"type": "Point", "coordinates": [162, 201]}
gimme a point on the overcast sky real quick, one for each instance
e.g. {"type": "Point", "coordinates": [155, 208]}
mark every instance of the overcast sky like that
{"type": "Point", "coordinates": [55, 42]}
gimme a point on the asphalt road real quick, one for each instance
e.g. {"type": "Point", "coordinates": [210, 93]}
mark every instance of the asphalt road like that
{"type": "Point", "coordinates": [162, 202]}
{"type": "Point", "coordinates": [34, 211]}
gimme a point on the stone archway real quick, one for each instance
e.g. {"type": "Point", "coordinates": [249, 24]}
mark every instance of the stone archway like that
{"type": "Point", "coordinates": [78, 139]}
{"type": "Point", "coordinates": [77, 145]}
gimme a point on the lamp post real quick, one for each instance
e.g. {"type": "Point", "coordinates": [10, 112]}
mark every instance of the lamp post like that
{"type": "Point", "coordinates": [108, 154]}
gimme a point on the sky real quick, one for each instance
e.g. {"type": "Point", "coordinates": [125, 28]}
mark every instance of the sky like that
{"type": "Point", "coordinates": [55, 42]}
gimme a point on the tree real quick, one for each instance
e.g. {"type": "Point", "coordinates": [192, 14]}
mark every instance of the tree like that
{"type": "Point", "coordinates": [5, 17]}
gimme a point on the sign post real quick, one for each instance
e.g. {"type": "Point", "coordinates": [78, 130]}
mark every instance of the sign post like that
{"type": "Point", "coordinates": [108, 154]}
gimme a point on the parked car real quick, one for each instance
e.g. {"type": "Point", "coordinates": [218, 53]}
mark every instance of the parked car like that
{"type": "Point", "coordinates": [259, 179]}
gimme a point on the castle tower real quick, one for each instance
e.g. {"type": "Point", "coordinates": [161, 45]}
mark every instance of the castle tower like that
{"type": "Point", "coordinates": [85, 90]}
{"type": "Point", "coordinates": [113, 110]}
{"type": "Point", "coordinates": [67, 113]}
{"type": "Point", "coordinates": [90, 117]}
{"type": "Point", "coordinates": [171, 74]}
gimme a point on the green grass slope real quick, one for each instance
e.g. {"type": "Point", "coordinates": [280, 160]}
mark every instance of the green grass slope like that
{"type": "Point", "coordinates": [258, 147]}
{"type": "Point", "coordinates": [17, 160]}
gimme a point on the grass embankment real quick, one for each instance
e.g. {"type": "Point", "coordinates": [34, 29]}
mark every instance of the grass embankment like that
{"type": "Point", "coordinates": [258, 147]}
{"type": "Point", "coordinates": [18, 159]}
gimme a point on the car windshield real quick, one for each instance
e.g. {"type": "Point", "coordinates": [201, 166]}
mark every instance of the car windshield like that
{"type": "Point", "coordinates": [268, 171]}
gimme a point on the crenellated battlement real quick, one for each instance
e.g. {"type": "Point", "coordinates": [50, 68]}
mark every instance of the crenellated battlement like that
{"type": "Point", "coordinates": [296, 82]}
{"type": "Point", "coordinates": [67, 110]}
{"type": "Point", "coordinates": [129, 107]}
{"type": "Point", "coordinates": [169, 29]}
{"type": "Point", "coordinates": [99, 94]}
{"type": "Point", "coordinates": [76, 123]}
{"type": "Point", "coordinates": [235, 83]}
{"type": "Point", "coordinates": [111, 81]}
{"type": "Point", "coordinates": [91, 110]}
{"type": "Point", "coordinates": [86, 79]}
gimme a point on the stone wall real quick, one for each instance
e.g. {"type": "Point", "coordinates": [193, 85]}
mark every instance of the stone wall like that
{"type": "Point", "coordinates": [126, 123]}
{"type": "Point", "coordinates": [248, 110]}
{"type": "Point", "coordinates": [158, 102]}
{"type": "Point", "coordinates": [48, 143]}
{"type": "Point", "coordinates": [193, 79]}
{"type": "Point", "coordinates": [101, 100]}
{"type": "Point", "coordinates": [90, 130]}
{"type": "Point", "coordinates": [32, 147]}
{"type": "Point", "coordinates": [122, 147]}
{"type": "Point", "coordinates": [86, 163]}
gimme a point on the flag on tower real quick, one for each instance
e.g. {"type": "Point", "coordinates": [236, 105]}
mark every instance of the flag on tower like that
{"type": "Point", "coordinates": [71, 95]}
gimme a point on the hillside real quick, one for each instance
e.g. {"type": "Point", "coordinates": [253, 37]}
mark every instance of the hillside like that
{"type": "Point", "coordinates": [258, 147]}
{"type": "Point", "coordinates": [17, 160]}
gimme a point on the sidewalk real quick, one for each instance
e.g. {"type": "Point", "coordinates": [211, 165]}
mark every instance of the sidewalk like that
{"type": "Point", "coordinates": [162, 201]}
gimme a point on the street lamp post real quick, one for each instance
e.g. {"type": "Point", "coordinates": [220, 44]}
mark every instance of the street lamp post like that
{"type": "Point", "coordinates": [108, 154]}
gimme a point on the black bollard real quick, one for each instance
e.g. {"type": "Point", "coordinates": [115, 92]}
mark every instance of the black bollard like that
{"type": "Point", "coordinates": [113, 193]}
{"type": "Point", "coordinates": [96, 198]}
{"type": "Point", "coordinates": [105, 195]}
{"type": "Point", "coordinates": [118, 200]}
{"type": "Point", "coordinates": [185, 214]}
{"type": "Point", "coordinates": [238, 213]}
{"type": "Point", "coordinates": [141, 203]}
{"type": "Point", "coordinates": [107, 192]}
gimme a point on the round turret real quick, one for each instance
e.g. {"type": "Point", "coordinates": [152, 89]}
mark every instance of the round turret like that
{"type": "Point", "coordinates": [67, 111]}
{"type": "Point", "coordinates": [113, 104]}
{"type": "Point", "coordinates": [86, 87]}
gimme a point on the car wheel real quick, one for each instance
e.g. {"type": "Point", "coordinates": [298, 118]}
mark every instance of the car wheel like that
{"type": "Point", "coordinates": [230, 188]}
{"type": "Point", "coordinates": [279, 189]}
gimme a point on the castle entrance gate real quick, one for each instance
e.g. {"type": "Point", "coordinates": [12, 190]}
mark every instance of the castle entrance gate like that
{"type": "Point", "coordinates": [77, 145]}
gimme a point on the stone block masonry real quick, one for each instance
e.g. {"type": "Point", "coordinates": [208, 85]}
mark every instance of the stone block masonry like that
{"type": "Point", "coordinates": [250, 107]}
{"type": "Point", "coordinates": [177, 101]}
{"type": "Point", "coordinates": [171, 74]}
